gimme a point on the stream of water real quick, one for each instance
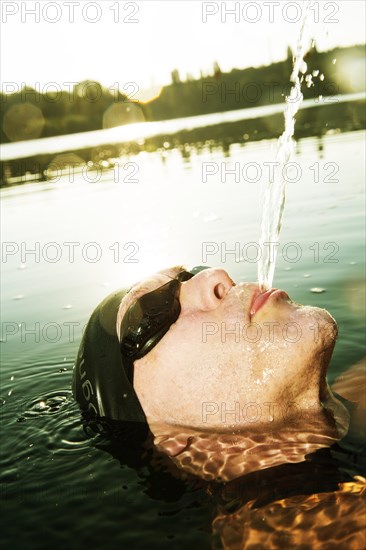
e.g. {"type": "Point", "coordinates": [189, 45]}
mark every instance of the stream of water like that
{"type": "Point", "coordinates": [275, 192]}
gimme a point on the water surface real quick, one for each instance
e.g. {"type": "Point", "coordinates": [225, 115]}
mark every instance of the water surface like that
{"type": "Point", "coordinates": [55, 479]}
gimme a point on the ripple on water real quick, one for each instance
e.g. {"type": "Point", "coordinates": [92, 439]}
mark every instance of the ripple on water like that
{"type": "Point", "coordinates": [40, 418]}
{"type": "Point", "coordinates": [60, 421]}
{"type": "Point", "coordinates": [35, 368]}
{"type": "Point", "coordinates": [46, 404]}
{"type": "Point", "coordinates": [43, 428]}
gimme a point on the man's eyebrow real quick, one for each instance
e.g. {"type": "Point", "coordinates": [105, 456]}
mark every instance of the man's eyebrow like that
{"type": "Point", "coordinates": [150, 283]}
{"type": "Point", "coordinates": [142, 283]}
{"type": "Point", "coordinates": [142, 287]}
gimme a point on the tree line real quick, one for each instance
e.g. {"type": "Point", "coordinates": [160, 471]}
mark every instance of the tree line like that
{"type": "Point", "coordinates": [29, 113]}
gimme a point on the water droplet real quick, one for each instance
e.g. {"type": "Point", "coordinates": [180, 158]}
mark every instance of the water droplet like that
{"type": "Point", "coordinates": [334, 61]}
{"type": "Point", "coordinates": [309, 80]}
{"type": "Point", "coordinates": [317, 290]}
{"type": "Point", "coordinates": [18, 297]}
{"type": "Point", "coordinates": [68, 306]}
{"type": "Point", "coordinates": [307, 275]}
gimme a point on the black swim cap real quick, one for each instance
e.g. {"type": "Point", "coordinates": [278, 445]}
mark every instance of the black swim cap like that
{"type": "Point", "coordinates": [100, 382]}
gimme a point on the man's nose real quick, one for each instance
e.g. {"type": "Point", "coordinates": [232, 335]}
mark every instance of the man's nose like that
{"type": "Point", "coordinates": [206, 290]}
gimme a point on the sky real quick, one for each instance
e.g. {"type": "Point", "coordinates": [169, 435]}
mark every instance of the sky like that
{"type": "Point", "coordinates": [132, 46]}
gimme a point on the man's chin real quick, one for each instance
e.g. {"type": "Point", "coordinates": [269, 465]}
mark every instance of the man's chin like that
{"type": "Point", "coordinates": [323, 331]}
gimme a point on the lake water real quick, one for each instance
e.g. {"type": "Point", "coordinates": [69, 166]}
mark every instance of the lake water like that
{"type": "Point", "coordinates": [60, 486]}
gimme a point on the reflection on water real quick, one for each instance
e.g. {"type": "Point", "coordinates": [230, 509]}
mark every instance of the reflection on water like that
{"type": "Point", "coordinates": [333, 519]}
{"type": "Point", "coordinates": [98, 150]}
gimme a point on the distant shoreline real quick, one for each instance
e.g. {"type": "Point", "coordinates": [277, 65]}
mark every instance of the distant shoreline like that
{"type": "Point", "coordinates": [100, 150]}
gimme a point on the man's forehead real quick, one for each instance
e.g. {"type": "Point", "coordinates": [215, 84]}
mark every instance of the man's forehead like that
{"type": "Point", "coordinates": [146, 285]}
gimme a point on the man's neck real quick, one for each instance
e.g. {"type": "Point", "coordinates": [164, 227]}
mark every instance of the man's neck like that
{"type": "Point", "coordinates": [232, 453]}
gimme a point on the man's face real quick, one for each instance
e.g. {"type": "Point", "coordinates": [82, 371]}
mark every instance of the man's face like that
{"type": "Point", "coordinates": [234, 357]}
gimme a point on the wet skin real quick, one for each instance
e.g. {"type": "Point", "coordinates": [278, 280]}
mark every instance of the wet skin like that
{"type": "Point", "coordinates": [231, 347]}
{"type": "Point", "coordinates": [278, 354]}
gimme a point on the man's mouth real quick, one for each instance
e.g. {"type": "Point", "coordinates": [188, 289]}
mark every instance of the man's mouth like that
{"type": "Point", "coordinates": [260, 299]}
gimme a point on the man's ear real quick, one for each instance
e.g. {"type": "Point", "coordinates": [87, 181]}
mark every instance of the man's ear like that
{"type": "Point", "coordinates": [172, 445]}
